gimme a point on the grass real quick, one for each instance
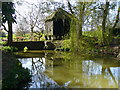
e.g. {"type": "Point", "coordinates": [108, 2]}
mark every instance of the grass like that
{"type": "Point", "coordinates": [28, 37]}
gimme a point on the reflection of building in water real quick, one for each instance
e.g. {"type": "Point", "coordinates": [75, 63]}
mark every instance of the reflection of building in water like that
{"type": "Point", "coordinates": [83, 72]}
{"type": "Point", "coordinates": [49, 66]}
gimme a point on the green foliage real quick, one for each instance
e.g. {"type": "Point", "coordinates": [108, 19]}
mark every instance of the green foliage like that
{"type": "Point", "coordinates": [76, 45]}
{"type": "Point", "coordinates": [73, 34]}
{"type": "Point", "coordinates": [2, 43]}
{"type": "Point", "coordinates": [66, 44]}
{"type": "Point", "coordinates": [96, 34]}
{"type": "Point", "coordinates": [28, 37]}
{"type": "Point", "coordinates": [42, 38]}
{"type": "Point", "coordinates": [19, 77]}
{"type": "Point", "coordinates": [14, 75]}
{"type": "Point", "coordinates": [8, 11]}
{"type": "Point", "coordinates": [9, 49]}
{"type": "Point", "coordinates": [85, 44]}
{"type": "Point", "coordinates": [25, 49]}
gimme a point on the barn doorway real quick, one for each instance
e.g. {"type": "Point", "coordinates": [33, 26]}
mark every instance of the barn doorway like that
{"type": "Point", "coordinates": [58, 28]}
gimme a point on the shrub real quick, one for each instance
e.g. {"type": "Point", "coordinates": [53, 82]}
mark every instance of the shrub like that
{"type": "Point", "coordinates": [9, 49]}
{"type": "Point", "coordinates": [66, 44]}
{"type": "Point", "coordinates": [14, 76]}
{"type": "Point", "coordinates": [96, 34]}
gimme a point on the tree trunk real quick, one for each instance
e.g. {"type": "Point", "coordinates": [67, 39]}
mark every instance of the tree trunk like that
{"type": "Point", "coordinates": [117, 18]}
{"type": "Point", "coordinates": [115, 24]}
{"type": "Point", "coordinates": [9, 32]}
{"type": "Point", "coordinates": [32, 37]}
{"type": "Point", "coordinates": [80, 20]}
{"type": "Point", "coordinates": [105, 13]}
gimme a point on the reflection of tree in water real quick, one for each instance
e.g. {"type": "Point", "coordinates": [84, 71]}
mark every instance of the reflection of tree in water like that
{"type": "Point", "coordinates": [39, 79]}
{"type": "Point", "coordinates": [71, 70]}
{"type": "Point", "coordinates": [110, 73]}
{"type": "Point", "coordinates": [94, 69]}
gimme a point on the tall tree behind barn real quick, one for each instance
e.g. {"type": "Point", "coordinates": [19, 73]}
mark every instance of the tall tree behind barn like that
{"type": "Point", "coordinates": [57, 24]}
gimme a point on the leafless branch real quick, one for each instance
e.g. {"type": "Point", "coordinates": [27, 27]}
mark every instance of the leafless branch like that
{"type": "Point", "coordinates": [22, 16]}
{"type": "Point", "coordinates": [4, 27]}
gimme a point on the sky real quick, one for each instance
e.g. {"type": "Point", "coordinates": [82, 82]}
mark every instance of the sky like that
{"type": "Point", "coordinates": [31, 1]}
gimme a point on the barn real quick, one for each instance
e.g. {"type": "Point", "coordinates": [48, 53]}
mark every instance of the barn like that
{"type": "Point", "coordinates": [57, 24]}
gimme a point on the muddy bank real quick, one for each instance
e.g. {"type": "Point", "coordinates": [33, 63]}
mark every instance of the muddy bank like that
{"type": "Point", "coordinates": [110, 50]}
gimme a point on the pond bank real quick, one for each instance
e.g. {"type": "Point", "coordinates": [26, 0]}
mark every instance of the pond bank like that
{"type": "Point", "coordinates": [112, 50]}
{"type": "Point", "coordinates": [64, 45]}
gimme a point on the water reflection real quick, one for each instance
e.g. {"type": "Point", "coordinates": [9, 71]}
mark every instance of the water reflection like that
{"type": "Point", "coordinates": [37, 67]}
{"type": "Point", "coordinates": [67, 70]}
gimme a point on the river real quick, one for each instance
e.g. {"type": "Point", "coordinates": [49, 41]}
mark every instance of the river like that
{"type": "Point", "coordinates": [55, 69]}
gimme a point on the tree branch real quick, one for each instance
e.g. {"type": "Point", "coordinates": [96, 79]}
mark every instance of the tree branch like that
{"type": "Point", "coordinates": [4, 27]}
{"type": "Point", "coordinates": [69, 6]}
{"type": "Point", "coordinates": [22, 16]}
{"type": "Point", "coordinates": [117, 18]}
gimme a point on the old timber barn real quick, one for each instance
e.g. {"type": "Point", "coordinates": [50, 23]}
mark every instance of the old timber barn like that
{"type": "Point", "coordinates": [57, 24]}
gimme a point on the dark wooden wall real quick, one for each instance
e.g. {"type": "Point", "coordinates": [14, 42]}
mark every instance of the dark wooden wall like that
{"type": "Point", "coordinates": [61, 27]}
{"type": "Point", "coordinates": [34, 45]}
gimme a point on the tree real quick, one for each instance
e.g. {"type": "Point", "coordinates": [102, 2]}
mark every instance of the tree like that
{"type": "Point", "coordinates": [80, 22]}
{"type": "Point", "coordinates": [22, 28]}
{"type": "Point", "coordinates": [81, 11]}
{"type": "Point", "coordinates": [8, 15]}
{"type": "Point", "coordinates": [105, 13]}
{"type": "Point", "coordinates": [79, 15]}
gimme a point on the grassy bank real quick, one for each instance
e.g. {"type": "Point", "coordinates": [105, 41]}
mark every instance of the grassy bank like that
{"type": "Point", "coordinates": [91, 45]}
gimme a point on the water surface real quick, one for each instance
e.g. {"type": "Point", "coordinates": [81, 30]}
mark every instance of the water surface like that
{"type": "Point", "coordinates": [52, 69]}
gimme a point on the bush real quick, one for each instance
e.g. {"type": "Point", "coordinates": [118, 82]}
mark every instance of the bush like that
{"type": "Point", "coordinates": [66, 44]}
{"type": "Point", "coordinates": [9, 49]}
{"type": "Point", "coordinates": [2, 43]}
{"type": "Point", "coordinates": [14, 76]}
{"type": "Point", "coordinates": [96, 34]}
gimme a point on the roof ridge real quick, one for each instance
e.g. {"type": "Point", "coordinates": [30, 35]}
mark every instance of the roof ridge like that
{"type": "Point", "coordinates": [54, 14]}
